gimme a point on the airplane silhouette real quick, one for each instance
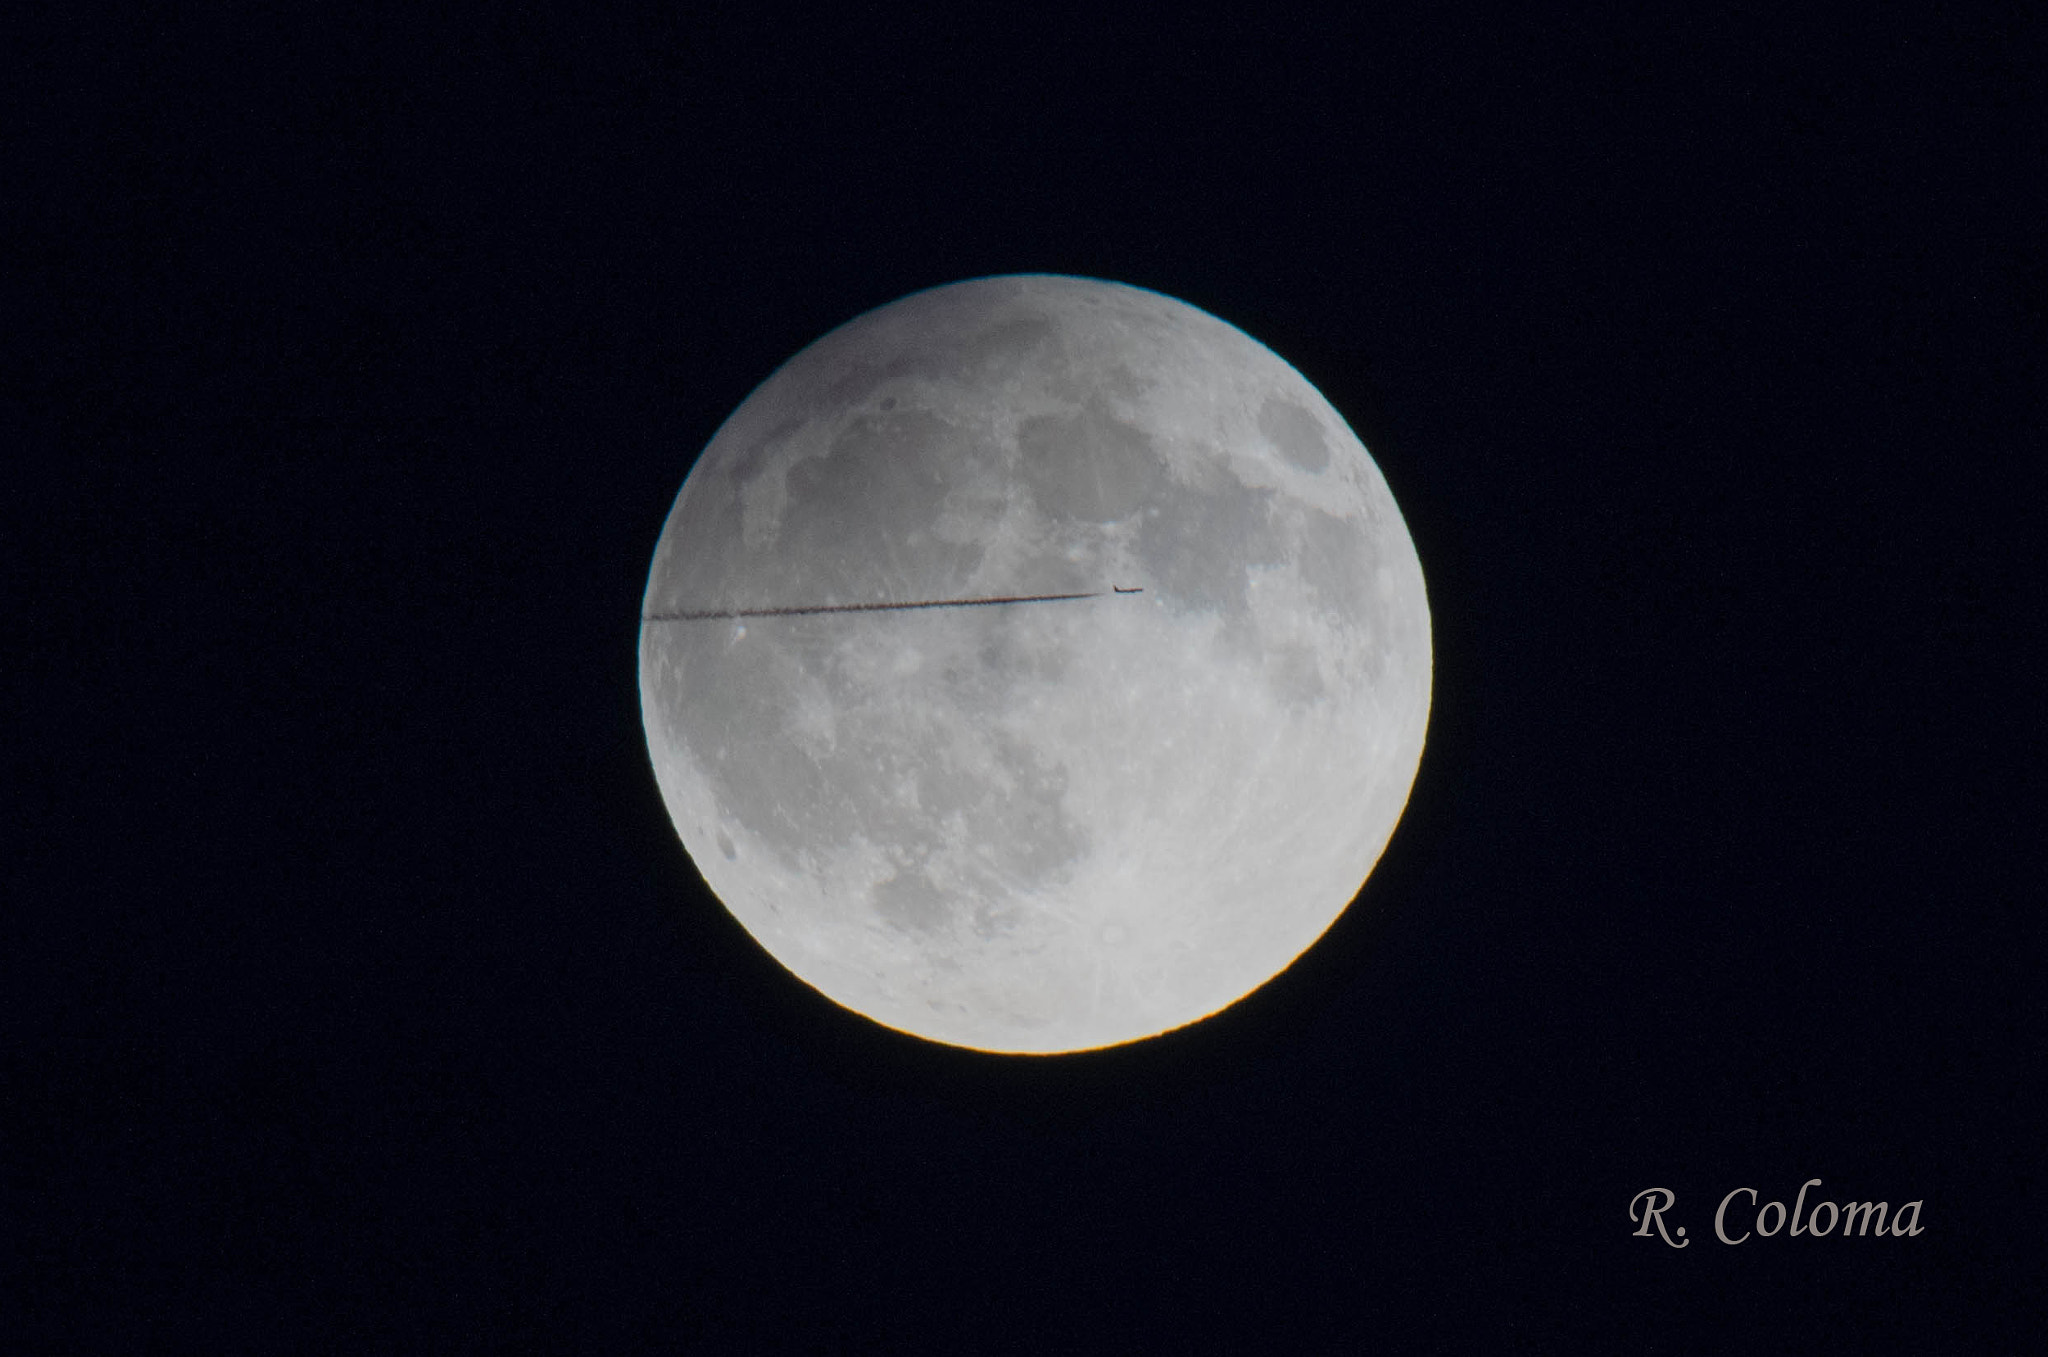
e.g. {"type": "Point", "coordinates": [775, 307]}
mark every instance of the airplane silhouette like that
{"type": "Point", "coordinates": [1121, 590]}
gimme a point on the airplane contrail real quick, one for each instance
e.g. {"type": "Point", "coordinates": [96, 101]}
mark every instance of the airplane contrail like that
{"type": "Point", "coordinates": [708, 614]}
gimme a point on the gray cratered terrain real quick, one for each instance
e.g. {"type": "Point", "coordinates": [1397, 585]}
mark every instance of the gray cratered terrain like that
{"type": "Point", "coordinates": [1049, 826]}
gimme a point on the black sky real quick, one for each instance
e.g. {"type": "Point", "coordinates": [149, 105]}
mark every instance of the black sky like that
{"type": "Point", "coordinates": [363, 999]}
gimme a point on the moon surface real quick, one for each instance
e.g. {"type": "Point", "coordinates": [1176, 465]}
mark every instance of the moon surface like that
{"type": "Point", "coordinates": [1050, 826]}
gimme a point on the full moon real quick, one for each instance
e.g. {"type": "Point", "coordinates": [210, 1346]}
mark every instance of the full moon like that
{"type": "Point", "coordinates": [1156, 725]}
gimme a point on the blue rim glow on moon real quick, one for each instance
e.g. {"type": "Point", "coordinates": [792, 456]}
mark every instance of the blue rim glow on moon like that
{"type": "Point", "coordinates": [1051, 826]}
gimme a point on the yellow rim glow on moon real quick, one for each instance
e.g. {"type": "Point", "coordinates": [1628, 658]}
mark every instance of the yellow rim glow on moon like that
{"type": "Point", "coordinates": [1056, 826]}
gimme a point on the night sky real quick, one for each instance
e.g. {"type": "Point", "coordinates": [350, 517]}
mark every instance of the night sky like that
{"type": "Point", "coordinates": [359, 996]}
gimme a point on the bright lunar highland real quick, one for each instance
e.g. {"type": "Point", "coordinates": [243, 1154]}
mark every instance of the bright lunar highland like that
{"type": "Point", "coordinates": [1048, 826]}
